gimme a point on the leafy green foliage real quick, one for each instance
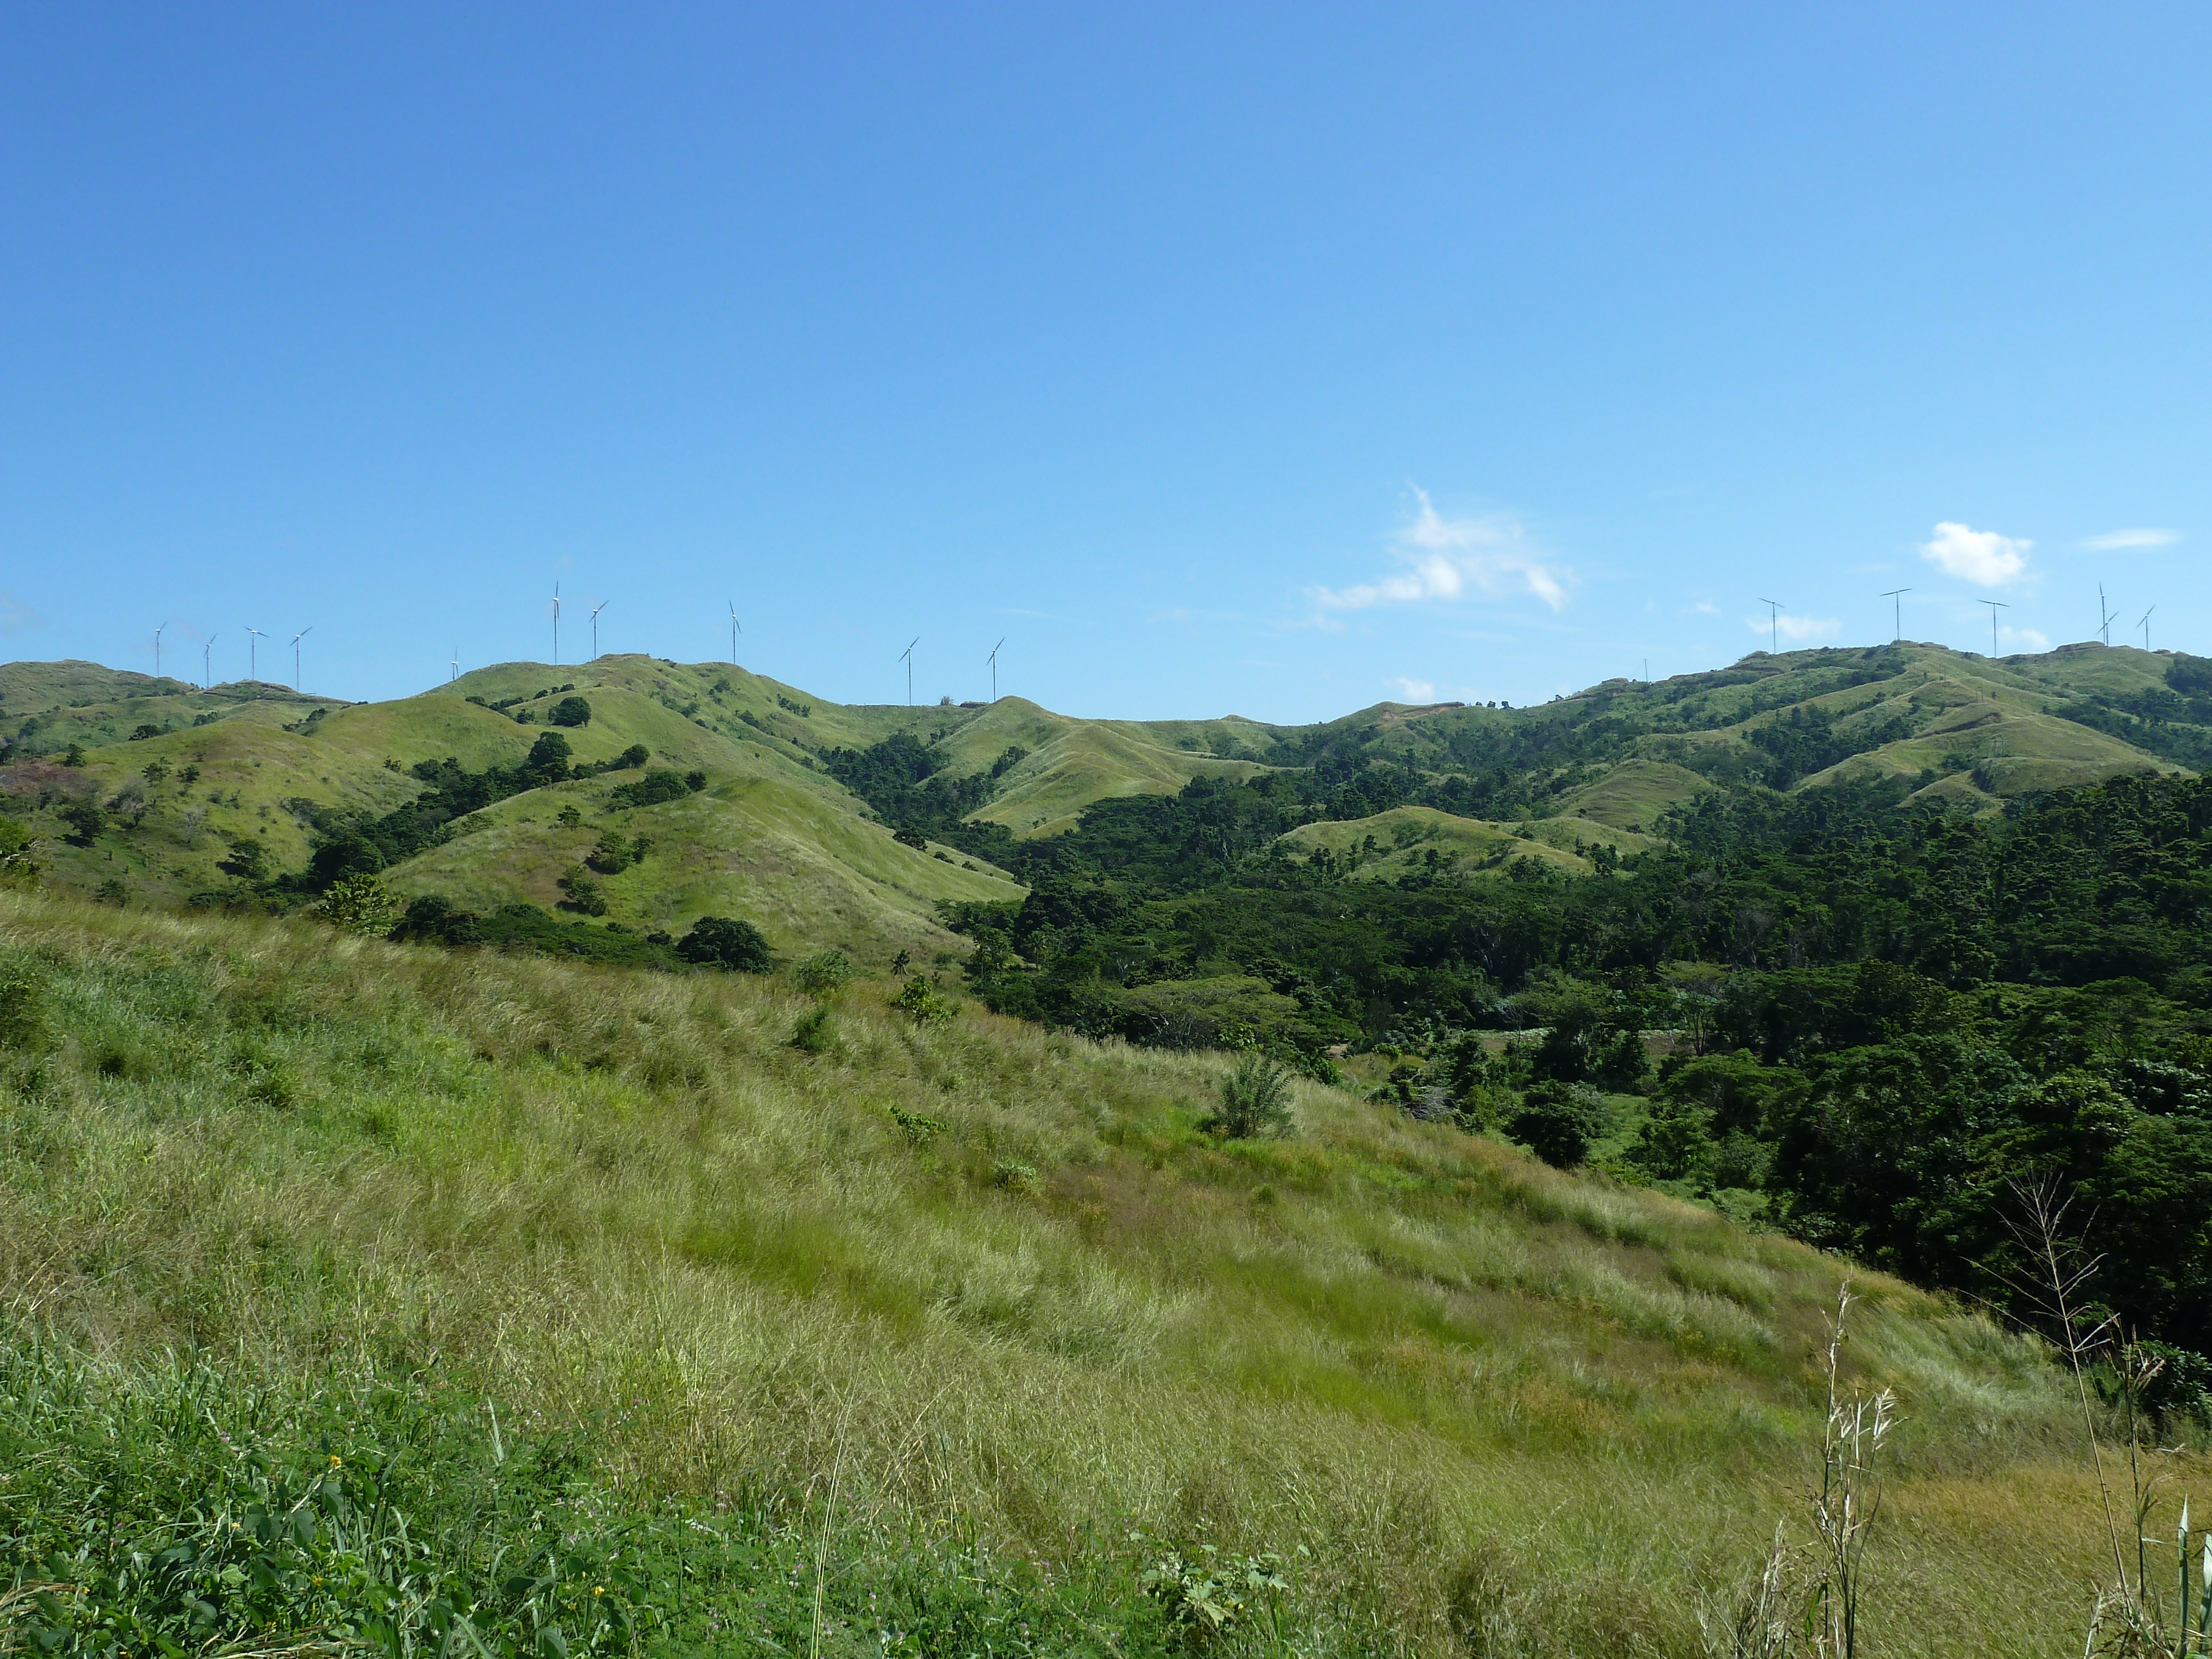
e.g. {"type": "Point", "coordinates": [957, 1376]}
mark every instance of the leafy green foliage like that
{"type": "Point", "coordinates": [728, 943]}
{"type": "Point", "coordinates": [185, 1508]}
{"type": "Point", "coordinates": [570, 712]}
{"type": "Point", "coordinates": [825, 972]}
{"type": "Point", "coordinates": [584, 891]}
{"type": "Point", "coordinates": [1559, 1121]}
{"type": "Point", "coordinates": [1254, 1101]}
{"type": "Point", "coordinates": [815, 1032]}
{"type": "Point", "coordinates": [923, 1003]}
{"type": "Point", "coordinates": [361, 904]}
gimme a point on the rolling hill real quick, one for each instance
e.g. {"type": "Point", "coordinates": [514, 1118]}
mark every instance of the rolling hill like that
{"type": "Point", "coordinates": [182, 775]}
{"type": "Point", "coordinates": [572, 1296]}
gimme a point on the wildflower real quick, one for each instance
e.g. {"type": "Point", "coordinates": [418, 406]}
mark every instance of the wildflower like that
{"type": "Point", "coordinates": [598, 1590]}
{"type": "Point", "coordinates": [337, 1462]}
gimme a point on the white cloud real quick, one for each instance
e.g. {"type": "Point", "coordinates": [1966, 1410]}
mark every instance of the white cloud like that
{"type": "Point", "coordinates": [1444, 558]}
{"type": "Point", "coordinates": [1705, 608]}
{"type": "Point", "coordinates": [2027, 639]}
{"type": "Point", "coordinates": [1794, 628]}
{"type": "Point", "coordinates": [1980, 557]}
{"type": "Point", "coordinates": [15, 616]}
{"type": "Point", "coordinates": [2146, 537]}
{"type": "Point", "coordinates": [1416, 690]}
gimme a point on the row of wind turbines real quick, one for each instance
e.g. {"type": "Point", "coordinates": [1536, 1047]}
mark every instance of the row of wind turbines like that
{"type": "Point", "coordinates": [2106, 617]}
{"type": "Point", "coordinates": [255, 635]}
{"type": "Point", "coordinates": [738, 627]}
{"type": "Point", "coordinates": [253, 638]}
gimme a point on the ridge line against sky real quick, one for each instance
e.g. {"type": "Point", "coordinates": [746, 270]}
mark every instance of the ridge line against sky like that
{"type": "Point", "coordinates": [1267, 360]}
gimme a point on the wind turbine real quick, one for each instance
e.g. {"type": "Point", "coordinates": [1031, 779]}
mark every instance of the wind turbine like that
{"type": "Point", "coordinates": [454, 673]}
{"type": "Point", "coordinates": [1773, 624]}
{"type": "Point", "coordinates": [1994, 606]}
{"type": "Point", "coordinates": [253, 638]}
{"type": "Point", "coordinates": [906, 657]}
{"type": "Point", "coordinates": [735, 629]}
{"type": "Point", "coordinates": [296, 638]}
{"type": "Point", "coordinates": [2145, 625]}
{"type": "Point", "coordinates": [596, 609]}
{"type": "Point", "coordinates": [2104, 616]}
{"type": "Point", "coordinates": [207, 650]}
{"type": "Point", "coordinates": [557, 624]}
{"type": "Point", "coordinates": [157, 651]}
{"type": "Point", "coordinates": [1897, 612]}
{"type": "Point", "coordinates": [994, 674]}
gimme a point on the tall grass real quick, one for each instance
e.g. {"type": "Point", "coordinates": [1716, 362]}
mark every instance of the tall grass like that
{"type": "Point", "coordinates": [1476, 1407]}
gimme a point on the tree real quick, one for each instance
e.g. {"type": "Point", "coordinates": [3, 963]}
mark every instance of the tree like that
{"type": "Point", "coordinates": [614, 854]}
{"type": "Point", "coordinates": [548, 760]}
{"type": "Point", "coordinates": [248, 861]}
{"type": "Point", "coordinates": [570, 711]}
{"type": "Point", "coordinates": [727, 943]}
{"type": "Point", "coordinates": [1559, 1120]}
{"type": "Point", "coordinates": [1255, 1101]}
{"type": "Point", "coordinates": [86, 818]}
{"type": "Point", "coordinates": [907, 835]}
{"type": "Point", "coordinates": [584, 891]}
{"type": "Point", "coordinates": [361, 904]}
{"type": "Point", "coordinates": [74, 755]}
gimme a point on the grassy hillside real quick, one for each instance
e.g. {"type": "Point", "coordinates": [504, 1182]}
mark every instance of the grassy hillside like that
{"type": "Point", "coordinates": [1393, 844]}
{"type": "Point", "coordinates": [936, 1312]}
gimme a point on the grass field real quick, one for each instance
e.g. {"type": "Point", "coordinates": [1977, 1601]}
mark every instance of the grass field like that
{"type": "Point", "coordinates": [969, 1297]}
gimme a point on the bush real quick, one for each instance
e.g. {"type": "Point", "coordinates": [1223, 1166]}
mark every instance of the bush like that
{"type": "Point", "coordinates": [568, 818]}
{"type": "Point", "coordinates": [1558, 1121]}
{"type": "Point", "coordinates": [815, 1032]}
{"type": "Point", "coordinates": [631, 758]}
{"type": "Point", "coordinates": [585, 893]}
{"type": "Point", "coordinates": [249, 859]}
{"type": "Point", "coordinates": [614, 854]}
{"type": "Point", "coordinates": [361, 904]}
{"type": "Point", "coordinates": [74, 755]}
{"type": "Point", "coordinates": [86, 820]}
{"type": "Point", "coordinates": [818, 975]}
{"type": "Point", "coordinates": [907, 835]}
{"type": "Point", "coordinates": [727, 943]}
{"type": "Point", "coordinates": [924, 1003]}
{"type": "Point", "coordinates": [694, 781]}
{"type": "Point", "coordinates": [655, 786]}
{"type": "Point", "coordinates": [112, 892]}
{"type": "Point", "coordinates": [570, 711]}
{"type": "Point", "coordinates": [1255, 1101]}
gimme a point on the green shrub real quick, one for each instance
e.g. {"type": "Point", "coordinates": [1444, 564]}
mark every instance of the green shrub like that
{"type": "Point", "coordinates": [362, 904]}
{"type": "Point", "coordinates": [1255, 1101]}
{"type": "Point", "coordinates": [727, 943]}
{"type": "Point", "coordinates": [112, 892]}
{"type": "Point", "coordinates": [1012, 1172]}
{"type": "Point", "coordinates": [568, 818]}
{"type": "Point", "coordinates": [815, 1033]}
{"type": "Point", "coordinates": [924, 1004]}
{"type": "Point", "coordinates": [85, 818]}
{"type": "Point", "coordinates": [614, 854]}
{"type": "Point", "coordinates": [821, 974]}
{"type": "Point", "coordinates": [907, 835]}
{"type": "Point", "coordinates": [1558, 1121]}
{"type": "Point", "coordinates": [657, 786]}
{"type": "Point", "coordinates": [570, 711]}
{"type": "Point", "coordinates": [585, 893]}
{"type": "Point", "coordinates": [249, 859]}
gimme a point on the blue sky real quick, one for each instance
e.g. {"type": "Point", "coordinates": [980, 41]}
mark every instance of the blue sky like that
{"type": "Point", "coordinates": [1274, 360]}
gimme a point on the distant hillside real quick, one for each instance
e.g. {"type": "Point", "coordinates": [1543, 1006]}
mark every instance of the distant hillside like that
{"type": "Point", "coordinates": [794, 828]}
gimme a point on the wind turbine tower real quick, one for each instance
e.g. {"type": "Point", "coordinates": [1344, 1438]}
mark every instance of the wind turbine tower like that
{"type": "Point", "coordinates": [1773, 624]}
{"type": "Point", "coordinates": [994, 674]}
{"type": "Point", "coordinates": [2145, 625]}
{"type": "Point", "coordinates": [454, 671]}
{"type": "Point", "coordinates": [1994, 606]}
{"type": "Point", "coordinates": [1897, 612]}
{"type": "Point", "coordinates": [596, 609]}
{"type": "Point", "coordinates": [906, 657]}
{"type": "Point", "coordinates": [557, 624]}
{"type": "Point", "coordinates": [735, 629]}
{"type": "Point", "coordinates": [2104, 616]}
{"type": "Point", "coordinates": [157, 651]}
{"type": "Point", "coordinates": [296, 638]}
{"type": "Point", "coordinates": [207, 651]}
{"type": "Point", "coordinates": [253, 638]}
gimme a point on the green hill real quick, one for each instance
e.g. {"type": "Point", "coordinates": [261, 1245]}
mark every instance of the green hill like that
{"type": "Point", "coordinates": [348, 1276]}
{"type": "Point", "coordinates": [180, 776]}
